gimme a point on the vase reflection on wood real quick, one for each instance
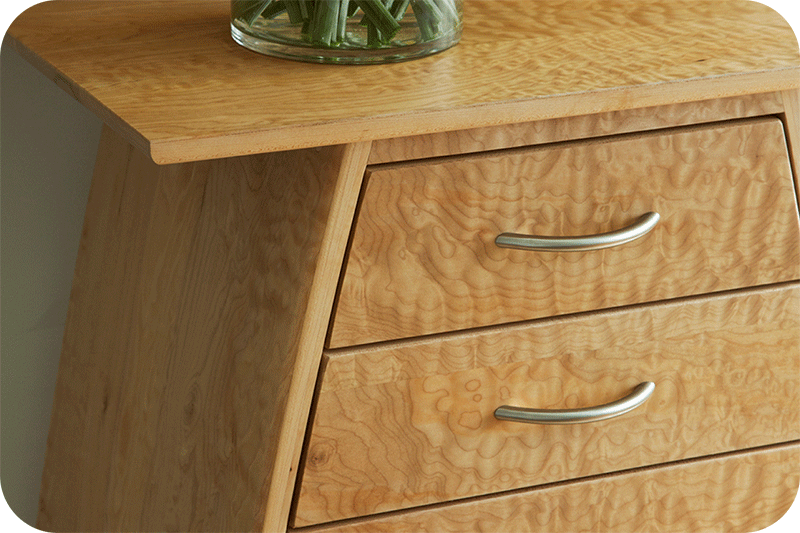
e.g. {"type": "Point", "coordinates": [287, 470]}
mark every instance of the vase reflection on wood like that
{"type": "Point", "coordinates": [347, 31]}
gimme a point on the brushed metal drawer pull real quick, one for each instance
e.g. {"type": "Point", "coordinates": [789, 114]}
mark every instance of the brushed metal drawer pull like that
{"type": "Point", "coordinates": [637, 397]}
{"type": "Point", "coordinates": [638, 229]}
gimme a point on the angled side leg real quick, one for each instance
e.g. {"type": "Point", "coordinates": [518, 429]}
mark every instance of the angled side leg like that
{"type": "Point", "coordinates": [199, 306]}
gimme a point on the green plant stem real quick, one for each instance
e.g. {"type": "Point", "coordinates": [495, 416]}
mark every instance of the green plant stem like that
{"type": "Point", "coordinates": [324, 22]}
{"type": "Point", "coordinates": [378, 15]}
{"type": "Point", "coordinates": [449, 11]}
{"type": "Point", "coordinates": [344, 13]}
{"type": "Point", "coordinates": [274, 9]}
{"type": "Point", "coordinates": [434, 17]}
{"type": "Point", "coordinates": [325, 26]}
{"type": "Point", "coordinates": [250, 11]}
{"type": "Point", "coordinates": [305, 13]}
{"type": "Point", "coordinates": [293, 9]}
{"type": "Point", "coordinates": [399, 8]}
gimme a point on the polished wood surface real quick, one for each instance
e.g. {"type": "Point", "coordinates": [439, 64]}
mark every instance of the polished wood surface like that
{"type": "Point", "coordinates": [738, 493]}
{"type": "Point", "coordinates": [423, 258]}
{"type": "Point", "coordinates": [571, 128]}
{"type": "Point", "coordinates": [168, 76]}
{"type": "Point", "coordinates": [204, 288]}
{"type": "Point", "coordinates": [791, 117]}
{"type": "Point", "coordinates": [408, 424]}
{"type": "Point", "coordinates": [193, 339]}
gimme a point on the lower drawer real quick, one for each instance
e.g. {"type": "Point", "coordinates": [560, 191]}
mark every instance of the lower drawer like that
{"type": "Point", "coordinates": [739, 492]}
{"type": "Point", "coordinates": [408, 424]}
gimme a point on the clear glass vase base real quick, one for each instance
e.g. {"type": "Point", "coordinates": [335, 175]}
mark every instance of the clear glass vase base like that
{"type": "Point", "coordinates": [343, 55]}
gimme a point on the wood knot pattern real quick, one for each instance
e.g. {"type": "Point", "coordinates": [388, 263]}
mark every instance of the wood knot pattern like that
{"type": "Point", "coordinates": [745, 492]}
{"type": "Point", "coordinates": [413, 422]}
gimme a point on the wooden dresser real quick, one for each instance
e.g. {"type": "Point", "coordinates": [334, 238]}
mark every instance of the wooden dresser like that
{"type": "Point", "coordinates": [303, 291]}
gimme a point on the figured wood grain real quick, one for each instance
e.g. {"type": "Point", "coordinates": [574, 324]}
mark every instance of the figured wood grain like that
{"type": "Point", "coordinates": [791, 117]}
{"type": "Point", "coordinates": [196, 322]}
{"type": "Point", "coordinates": [739, 492]}
{"type": "Point", "coordinates": [571, 128]}
{"type": "Point", "coordinates": [168, 76]}
{"type": "Point", "coordinates": [423, 258]}
{"type": "Point", "coordinates": [408, 424]}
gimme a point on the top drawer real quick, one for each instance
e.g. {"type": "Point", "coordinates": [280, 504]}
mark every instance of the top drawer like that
{"type": "Point", "coordinates": [423, 257]}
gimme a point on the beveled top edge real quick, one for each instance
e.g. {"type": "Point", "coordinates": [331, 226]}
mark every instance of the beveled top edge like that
{"type": "Point", "coordinates": [177, 86]}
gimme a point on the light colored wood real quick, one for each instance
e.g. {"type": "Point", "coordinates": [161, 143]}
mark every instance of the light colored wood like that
{"type": "Point", "coordinates": [423, 258]}
{"type": "Point", "coordinates": [412, 424]}
{"type": "Point", "coordinates": [430, 356]}
{"type": "Point", "coordinates": [740, 492]}
{"type": "Point", "coordinates": [791, 117]}
{"type": "Point", "coordinates": [195, 328]}
{"type": "Point", "coordinates": [168, 76]}
{"type": "Point", "coordinates": [571, 128]}
{"type": "Point", "coordinates": [337, 171]}
{"type": "Point", "coordinates": [202, 291]}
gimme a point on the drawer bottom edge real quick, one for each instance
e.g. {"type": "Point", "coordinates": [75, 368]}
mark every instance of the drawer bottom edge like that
{"type": "Point", "coordinates": [745, 490]}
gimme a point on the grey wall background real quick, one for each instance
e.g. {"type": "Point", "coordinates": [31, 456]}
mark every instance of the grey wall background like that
{"type": "Point", "coordinates": [48, 143]}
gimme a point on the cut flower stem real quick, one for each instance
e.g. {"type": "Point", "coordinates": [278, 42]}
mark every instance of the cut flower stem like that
{"type": "Point", "coordinates": [323, 22]}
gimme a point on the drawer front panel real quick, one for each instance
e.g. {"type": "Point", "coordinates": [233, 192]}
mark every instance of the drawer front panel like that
{"type": "Point", "coordinates": [408, 424]}
{"type": "Point", "coordinates": [744, 491]}
{"type": "Point", "coordinates": [424, 260]}
{"type": "Point", "coordinates": [580, 127]}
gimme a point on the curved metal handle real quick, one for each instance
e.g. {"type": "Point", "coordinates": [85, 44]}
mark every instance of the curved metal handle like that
{"type": "Point", "coordinates": [578, 416]}
{"type": "Point", "coordinates": [638, 229]}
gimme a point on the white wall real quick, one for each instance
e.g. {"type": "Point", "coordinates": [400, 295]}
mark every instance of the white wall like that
{"type": "Point", "coordinates": [48, 144]}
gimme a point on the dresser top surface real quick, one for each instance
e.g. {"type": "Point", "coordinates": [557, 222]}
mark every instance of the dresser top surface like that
{"type": "Point", "coordinates": [168, 76]}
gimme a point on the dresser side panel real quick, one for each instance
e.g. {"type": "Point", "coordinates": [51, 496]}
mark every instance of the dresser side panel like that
{"type": "Point", "coordinates": [196, 322]}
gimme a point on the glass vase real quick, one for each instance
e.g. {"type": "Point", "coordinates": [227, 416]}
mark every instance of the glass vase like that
{"type": "Point", "coordinates": [347, 31]}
